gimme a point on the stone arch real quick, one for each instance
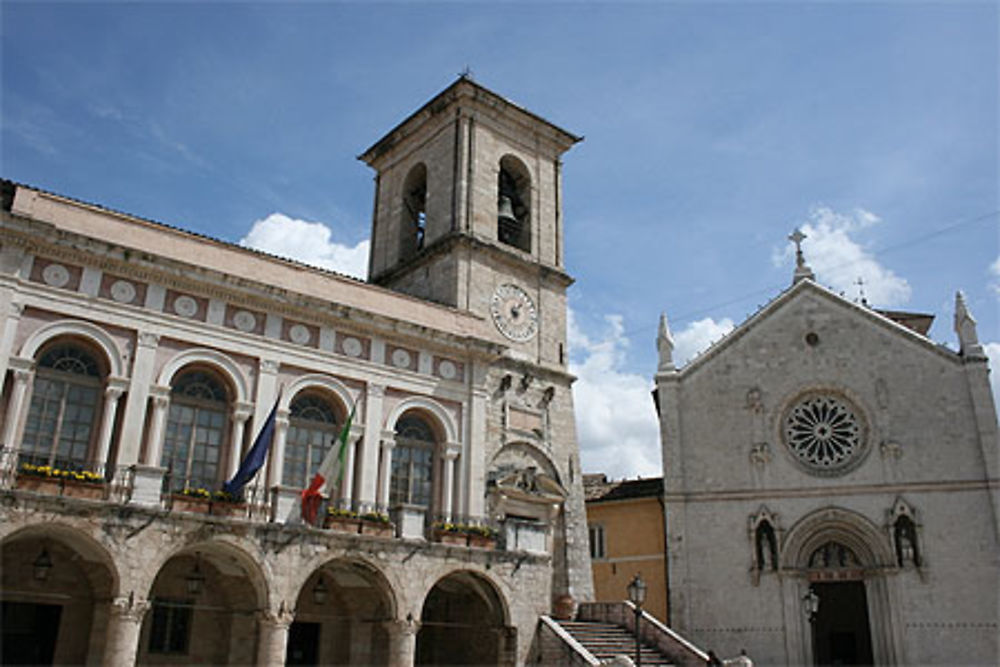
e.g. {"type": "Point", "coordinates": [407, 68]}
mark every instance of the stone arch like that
{"type": "Point", "coordinates": [413, 211]}
{"type": "Point", "coordinates": [839, 525]}
{"type": "Point", "coordinates": [324, 383]}
{"type": "Point", "coordinates": [464, 620]}
{"type": "Point", "coordinates": [514, 195]}
{"type": "Point", "coordinates": [221, 362]}
{"type": "Point", "coordinates": [92, 333]}
{"type": "Point", "coordinates": [81, 542]}
{"type": "Point", "coordinates": [439, 416]}
{"type": "Point", "coordinates": [525, 451]}
{"type": "Point", "coordinates": [254, 566]}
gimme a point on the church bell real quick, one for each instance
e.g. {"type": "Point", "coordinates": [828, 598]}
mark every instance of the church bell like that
{"type": "Point", "coordinates": [505, 210]}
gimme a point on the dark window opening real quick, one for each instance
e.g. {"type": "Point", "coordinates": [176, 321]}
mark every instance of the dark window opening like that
{"type": "Point", "coordinates": [170, 629]}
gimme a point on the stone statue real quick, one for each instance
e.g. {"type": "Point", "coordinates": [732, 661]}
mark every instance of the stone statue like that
{"type": "Point", "coordinates": [665, 345]}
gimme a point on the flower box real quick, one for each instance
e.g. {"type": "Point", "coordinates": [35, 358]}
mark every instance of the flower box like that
{"type": "Point", "coordinates": [378, 528]}
{"type": "Point", "coordinates": [342, 524]}
{"type": "Point", "coordinates": [49, 485]}
{"type": "Point", "coordinates": [234, 510]}
{"type": "Point", "coordinates": [482, 541]}
{"type": "Point", "coordinates": [88, 490]}
{"type": "Point", "coordinates": [183, 503]}
{"type": "Point", "coordinates": [450, 537]}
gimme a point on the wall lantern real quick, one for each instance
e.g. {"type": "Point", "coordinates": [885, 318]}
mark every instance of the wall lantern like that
{"type": "Point", "coordinates": [319, 592]}
{"type": "Point", "coordinates": [810, 604]}
{"type": "Point", "coordinates": [42, 565]}
{"type": "Point", "coordinates": [195, 579]}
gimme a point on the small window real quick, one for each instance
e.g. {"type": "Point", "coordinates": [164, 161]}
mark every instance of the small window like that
{"type": "Point", "coordinates": [597, 545]}
{"type": "Point", "coordinates": [170, 629]}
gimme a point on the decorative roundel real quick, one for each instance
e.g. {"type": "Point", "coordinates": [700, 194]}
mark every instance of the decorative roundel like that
{"type": "Point", "coordinates": [400, 358]}
{"type": "Point", "coordinates": [122, 291]}
{"type": "Point", "coordinates": [514, 313]}
{"type": "Point", "coordinates": [185, 306]}
{"type": "Point", "coordinates": [447, 369]}
{"type": "Point", "coordinates": [352, 347]}
{"type": "Point", "coordinates": [825, 433]}
{"type": "Point", "coordinates": [299, 333]}
{"type": "Point", "coordinates": [245, 321]}
{"type": "Point", "coordinates": [56, 275]}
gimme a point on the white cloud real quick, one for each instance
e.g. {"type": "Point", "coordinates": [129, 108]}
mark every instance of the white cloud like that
{"type": "Point", "coordinates": [839, 261]}
{"type": "Point", "coordinates": [615, 418]}
{"type": "Point", "coordinates": [696, 337]}
{"type": "Point", "coordinates": [995, 270]}
{"type": "Point", "coordinates": [307, 242]}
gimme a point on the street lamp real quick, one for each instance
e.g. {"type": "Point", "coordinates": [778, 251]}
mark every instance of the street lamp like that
{"type": "Point", "coordinates": [637, 595]}
{"type": "Point", "coordinates": [319, 592]}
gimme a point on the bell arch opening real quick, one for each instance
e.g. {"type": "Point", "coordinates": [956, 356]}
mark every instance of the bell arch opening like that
{"type": "Point", "coordinates": [514, 204]}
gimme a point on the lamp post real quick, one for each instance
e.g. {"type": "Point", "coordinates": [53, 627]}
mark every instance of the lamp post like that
{"type": "Point", "coordinates": [637, 595]}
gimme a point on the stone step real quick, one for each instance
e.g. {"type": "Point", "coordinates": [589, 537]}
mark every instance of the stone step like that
{"type": "Point", "coordinates": [606, 640]}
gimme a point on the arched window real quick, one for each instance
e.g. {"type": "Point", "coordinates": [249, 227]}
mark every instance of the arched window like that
{"type": "Point", "coordinates": [63, 412]}
{"type": "Point", "coordinates": [412, 462]}
{"type": "Point", "coordinates": [514, 204]}
{"type": "Point", "coordinates": [413, 227]}
{"type": "Point", "coordinates": [196, 430]}
{"type": "Point", "coordinates": [312, 429]}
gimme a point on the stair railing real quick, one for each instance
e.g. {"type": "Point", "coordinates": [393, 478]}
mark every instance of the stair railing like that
{"type": "Point", "coordinates": [555, 639]}
{"type": "Point", "coordinates": [682, 652]}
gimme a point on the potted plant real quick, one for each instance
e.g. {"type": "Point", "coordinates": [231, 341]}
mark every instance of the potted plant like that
{"type": "Point", "coordinates": [191, 499]}
{"type": "Point", "coordinates": [56, 481]}
{"type": "Point", "coordinates": [482, 537]}
{"type": "Point", "coordinates": [378, 524]}
{"type": "Point", "coordinates": [447, 532]}
{"type": "Point", "coordinates": [226, 504]}
{"type": "Point", "coordinates": [341, 520]}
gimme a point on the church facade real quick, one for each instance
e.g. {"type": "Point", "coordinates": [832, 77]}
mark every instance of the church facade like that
{"type": "Point", "coordinates": [831, 487]}
{"type": "Point", "coordinates": [139, 361]}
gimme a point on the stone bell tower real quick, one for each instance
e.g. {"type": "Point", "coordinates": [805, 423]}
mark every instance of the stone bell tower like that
{"type": "Point", "coordinates": [468, 213]}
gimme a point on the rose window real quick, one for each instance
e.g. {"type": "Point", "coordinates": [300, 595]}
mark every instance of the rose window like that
{"type": "Point", "coordinates": [824, 433]}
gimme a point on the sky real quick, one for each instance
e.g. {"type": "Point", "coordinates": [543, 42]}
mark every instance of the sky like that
{"type": "Point", "coordinates": [712, 131]}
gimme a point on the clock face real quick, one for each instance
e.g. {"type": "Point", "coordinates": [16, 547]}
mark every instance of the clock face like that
{"type": "Point", "coordinates": [514, 313]}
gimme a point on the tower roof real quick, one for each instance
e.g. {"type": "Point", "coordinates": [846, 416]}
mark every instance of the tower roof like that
{"type": "Point", "coordinates": [465, 88]}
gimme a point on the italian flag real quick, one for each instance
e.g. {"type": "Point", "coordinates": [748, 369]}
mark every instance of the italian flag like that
{"type": "Point", "coordinates": [331, 470]}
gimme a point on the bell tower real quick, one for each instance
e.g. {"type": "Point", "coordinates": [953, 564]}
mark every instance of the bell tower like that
{"type": "Point", "coordinates": [468, 214]}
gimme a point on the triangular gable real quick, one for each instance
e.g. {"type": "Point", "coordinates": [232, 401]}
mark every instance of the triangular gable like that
{"type": "Point", "coordinates": [800, 290]}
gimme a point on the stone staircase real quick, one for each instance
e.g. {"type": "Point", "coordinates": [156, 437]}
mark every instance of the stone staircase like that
{"type": "Point", "coordinates": [606, 640]}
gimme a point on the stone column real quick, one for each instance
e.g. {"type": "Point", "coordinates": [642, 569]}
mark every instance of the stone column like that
{"type": "Point", "coordinates": [241, 412]}
{"type": "Point", "coordinates": [273, 636]}
{"type": "Point", "coordinates": [154, 447]}
{"type": "Point", "coordinates": [124, 627]}
{"type": "Point", "coordinates": [23, 375]}
{"type": "Point", "coordinates": [448, 483]}
{"type": "Point", "coordinates": [9, 333]}
{"type": "Point", "coordinates": [134, 419]}
{"type": "Point", "coordinates": [114, 391]}
{"type": "Point", "coordinates": [402, 641]}
{"type": "Point", "coordinates": [347, 477]}
{"type": "Point", "coordinates": [388, 444]}
{"type": "Point", "coordinates": [370, 446]}
{"type": "Point", "coordinates": [277, 469]}
{"type": "Point", "coordinates": [473, 477]}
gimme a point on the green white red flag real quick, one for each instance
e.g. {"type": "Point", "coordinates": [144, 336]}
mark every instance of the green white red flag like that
{"type": "Point", "coordinates": [330, 472]}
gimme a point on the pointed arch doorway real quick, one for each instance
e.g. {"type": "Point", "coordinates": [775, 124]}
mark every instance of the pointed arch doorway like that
{"type": "Point", "coordinates": [840, 627]}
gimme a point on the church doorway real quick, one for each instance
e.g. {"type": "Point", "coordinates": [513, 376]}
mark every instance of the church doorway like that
{"type": "Point", "coordinates": [841, 628]}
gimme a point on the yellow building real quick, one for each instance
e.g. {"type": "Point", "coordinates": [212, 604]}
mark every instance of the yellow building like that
{"type": "Point", "coordinates": [626, 526]}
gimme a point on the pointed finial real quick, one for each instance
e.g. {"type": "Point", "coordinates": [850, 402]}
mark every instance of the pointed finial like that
{"type": "Point", "coordinates": [466, 73]}
{"type": "Point", "coordinates": [802, 270]}
{"type": "Point", "coordinates": [860, 282]}
{"type": "Point", "coordinates": [965, 327]}
{"type": "Point", "coordinates": [665, 345]}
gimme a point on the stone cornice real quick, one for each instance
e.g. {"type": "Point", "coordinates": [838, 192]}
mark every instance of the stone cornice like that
{"type": "Point", "coordinates": [945, 486]}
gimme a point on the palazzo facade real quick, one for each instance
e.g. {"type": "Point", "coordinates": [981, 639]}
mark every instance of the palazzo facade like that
{"type": "Point", "coordinates": [139, 361]}
{"type": "Point", "coordinates": [831, 487]}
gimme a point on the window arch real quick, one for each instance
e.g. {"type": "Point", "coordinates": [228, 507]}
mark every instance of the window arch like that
{"type": "Point", "coordinates": [196, 429]}
{"type": "Point", "coordinates": [514, 204]}
{"type": "Point", "coordinates": [413, 461]}
{"type": "Point", "coordinates": [63, 413]}
{"type": "Point", "coordinates": [313, 426]}
{"type": "Point", "coordinates": [413, 226]}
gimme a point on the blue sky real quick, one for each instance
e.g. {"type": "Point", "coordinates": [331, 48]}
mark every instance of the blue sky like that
{"type": "Point", "coordinates": [712, 130]}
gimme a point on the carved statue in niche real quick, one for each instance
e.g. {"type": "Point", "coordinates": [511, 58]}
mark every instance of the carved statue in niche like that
{"type": "Point", "coordinates": [522, 482]}
{"type": "Point", "coordinates": [905, 536]}
{"type": "Point", "coordinates": [766, 546]}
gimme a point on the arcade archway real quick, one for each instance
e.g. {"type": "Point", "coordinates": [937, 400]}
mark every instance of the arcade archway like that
{"type": "Point", "coordinates": [463, 623]}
